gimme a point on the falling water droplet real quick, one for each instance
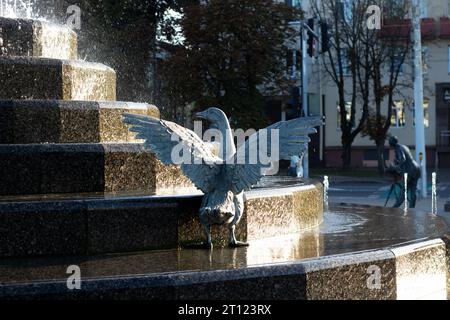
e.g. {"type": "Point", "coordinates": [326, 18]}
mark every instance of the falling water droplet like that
{"type": "Point", "coordinates": [434, 209]}
{"type": "Point", "coordinates": [326, 187]}
{"type": "Point", "coordinates": [406, 192]}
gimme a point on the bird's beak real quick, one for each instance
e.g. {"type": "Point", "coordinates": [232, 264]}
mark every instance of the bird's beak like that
{"type": "Point", "coordinates": [201, 115]}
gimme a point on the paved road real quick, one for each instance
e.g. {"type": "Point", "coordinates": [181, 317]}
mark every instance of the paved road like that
{"type": "Point", "coordinates": [375, 192]}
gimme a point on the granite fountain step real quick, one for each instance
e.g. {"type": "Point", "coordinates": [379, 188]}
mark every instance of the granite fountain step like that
{"type": "Point", "coordinates": [55, 79]}
{"type": "Point", "coordinates": [76, 168]}
{"type": "Point", "coordinates": [35, 38]}
{"type": "Point", "coordinates": [57, 121]}
{"type": "Point", "coordinates": [351, 256]}
{"type": "Point", "coordinates": [94, 223]}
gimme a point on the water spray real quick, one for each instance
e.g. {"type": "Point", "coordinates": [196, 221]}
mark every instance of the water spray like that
{"type": "Point", "coordinates": [434, 209]}
{"type": "Point", "coordinates": [326, 187]}
{"type": "Point", "coordinates": [406, 193]}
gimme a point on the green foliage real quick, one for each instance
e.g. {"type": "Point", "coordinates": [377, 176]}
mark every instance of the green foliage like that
{"type": "Point", "coordinates": [116, 13]}
{"type": "Point", "coordinates": [374, 128]}
{"type": "Point", "coordinates": [231, 48]}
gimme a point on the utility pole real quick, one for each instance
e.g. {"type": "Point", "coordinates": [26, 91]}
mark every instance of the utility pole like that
{"type": "Point", "coordinates": [305, 80]}
{"type": "Point", "coordinates": [305, 30]}
{"type": "Point", "coordinates": [421, 155]}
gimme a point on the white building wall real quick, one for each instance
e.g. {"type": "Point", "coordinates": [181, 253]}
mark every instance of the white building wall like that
{"type": "Point", "coordinates": [438, 72]}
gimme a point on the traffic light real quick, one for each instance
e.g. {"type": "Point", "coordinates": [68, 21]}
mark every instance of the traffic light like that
{"type": "Point", "coordinates": [324, 37]}
{"type": "Point", "coordinates": [310, 38]}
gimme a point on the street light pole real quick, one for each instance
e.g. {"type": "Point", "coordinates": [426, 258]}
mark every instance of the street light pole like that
{"type": "Point", "coordinates": [421, 155]}
{"type": "Point", "coordinates": [304, 30]}
{"type": "Point", "coordinates": [305, 80]}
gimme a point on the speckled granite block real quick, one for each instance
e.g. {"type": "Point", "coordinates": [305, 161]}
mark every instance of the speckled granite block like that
{"type": "Point", "coordinates": [260, 283]}
{"type": "Point", "coordinates": [334, 277]}
{"type": "Point", "coordinates": [33, 38]}
{"type": "Point", "coordinates": [348, 277]}
{"type": "Point", "coordinates": [56, 121]}
{"type": "Point", "coordinates": [53, 79]}
{"type": "Point", "coordinates": [274, 270]}
{"type": "Point", "coordinates": [447, 254]}
{"type": "Point", "coordinates": [421, 270]}
{"type": "Point", "coordinates": [277, 215]}
{"type": "Point", "coordinates": [42, 229]}
{"type": "Point", "coordinates": [111, 125]}
{"type": "Point", "coordinates": [268, 213]}
{"type": "Point", "coordinates": [88, 81]}
{"type": "Point", "coordinates": [132, 226]}
{"type": "Point", "coordinates": [84, 226]}
{"type": "Point", "coordinates": [168, 176]}
{"type": "Point", "coordinates": [74, 168]}
{"type": "Point", "coordinates": [38, 169]}
{"type": "Point", "coordinates": [130, 223]}
{"type": "Point", "coordinates": [191, 231]}
{"type": "Point", "coordinates": [342, 277]}
{"type": "Point", "coordinates": [29, 122]}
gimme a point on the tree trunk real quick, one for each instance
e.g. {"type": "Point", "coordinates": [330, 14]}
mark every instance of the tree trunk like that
{"type": "Point", "coordinates": [380, 157]}
{"type": "Point", "coordinates": [346, 153]}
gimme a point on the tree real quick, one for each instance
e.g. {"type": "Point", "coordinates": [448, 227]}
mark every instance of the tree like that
{"type": "Point", "coordinates": [231, 49]}
{"type": "Point", "coordinates": [122, 34]}
{"type": "Point", "coordinates": [374, 65]}
{"type": "Point", "coordinates": [342, 64]}
{"type": "Point", "coordinates": [388, 56]}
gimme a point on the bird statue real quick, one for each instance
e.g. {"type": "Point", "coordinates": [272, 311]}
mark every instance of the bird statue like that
{"type": "Point", "coordinates": [222, 178]}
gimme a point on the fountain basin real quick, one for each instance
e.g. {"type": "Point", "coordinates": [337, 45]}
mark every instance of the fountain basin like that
{"type": "Point", "coordinates": [91, 223]}
{"type": "Point", "coordinates": [333, 261]}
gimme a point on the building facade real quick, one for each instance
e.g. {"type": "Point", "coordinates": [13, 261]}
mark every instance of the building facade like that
{"type": "Point", "coordinates": [323, 96]}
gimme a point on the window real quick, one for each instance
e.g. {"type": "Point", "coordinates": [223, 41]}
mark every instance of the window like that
{"type": "Point", "coordinates": [294, 3]}
{"type": "Point", "coordinates": [348, 108]}
{"type": "Point", "coordinates": [293, 63]}
{"type": "Point", "coordinates": [395, 9]}
{"type": "Point", "coordinates": [425, 59]}
{"type": "Point", "coordinates": [449, 59]}
{"type": "Point", "coordinates": [345, 10]}
{"type": "Point", "coordinates": [345, 62]}
{"type": "Point", "coordinates": [372, 155]}
{"type": "Point", "coordinates": [396, 64]}
{"type": "Point", "coordinates": [426, 113]}
{"type": "Point", "coordinates": [398, 114]}
{"type": "Point", "coordinates": [423, 8]}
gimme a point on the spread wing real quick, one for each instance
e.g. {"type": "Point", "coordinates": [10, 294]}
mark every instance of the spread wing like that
{"type": "Point", "coordinates": [174, 144]}
{"type": "Point", "coordinates": [293, 139]}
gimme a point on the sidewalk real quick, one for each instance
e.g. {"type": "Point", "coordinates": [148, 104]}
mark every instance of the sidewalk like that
{"type": "Point", "coordinates": [422, 204]}
{"type": "Point", "coordinates": [374, 191]}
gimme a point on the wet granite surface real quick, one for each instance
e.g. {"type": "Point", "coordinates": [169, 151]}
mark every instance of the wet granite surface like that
{"type": "Point", "coordinates": [54, 79]}
{"type": "Point", "coordinates": [297, 280]}
{"type": "Point", "coordinates": [161, 221]}
{"type": "Point", "coordinates": [446, 240]}
{"type": "Point", "coordinates": [347, 277]}
{"type": "Point", "coordinates": [268, 213]}
{"type": "Point", "coordinates": [88, 81]}
{"type": "Point", "coordinates": [421, 271]}
{"type": "Point", "coordinates": [24, 37]}
{"type": "Point", "coordinates": [56, 121]}
{"type": "Point", "coordinates": [345, 230]}
{"type": "Point", "coordinates": [72, 168]}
